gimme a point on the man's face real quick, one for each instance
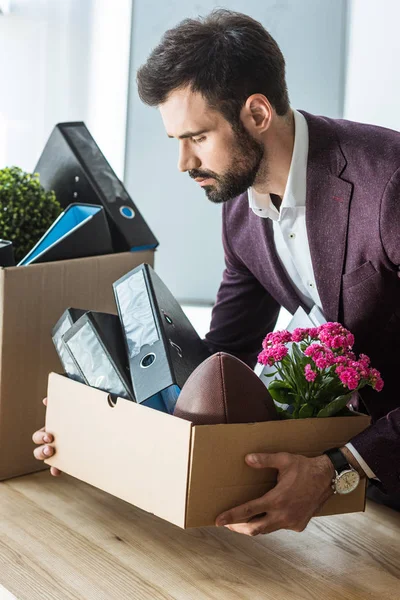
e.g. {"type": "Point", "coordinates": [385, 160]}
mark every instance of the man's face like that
{"type": "Point", "coordinates": [222, 159]}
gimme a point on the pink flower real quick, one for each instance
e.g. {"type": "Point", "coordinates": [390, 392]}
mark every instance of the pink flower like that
{"type": "Point", "coordinates": [348, 376]}
{"type": "Point", "coordinates": [299, 334]}
{"type": "Point", "coordinates": [341, 360]}
{"type": "Point", "coordinates": [347, 360]}
{"type": "Point", "coordinates": [279, 352]}
{"type": "Point", "coordinates": [310, 375]}
{"type": "Point", "coordinates": [313, 333]}
{"type": "Point", "coordinates": [264, 358]}
{"type": "Point", "coordinates": [321, 355]}
{"type": "Point", "coordinates": [334, 335]}
{"type": "Point", "coordinates": [322, 363]}
{"type": "Point", "coordinates": [376, 380]}
{"type": "Point", "coordinates": [271, 355]}
{"type": "Point", "coordinates": [313, 350]}
{"type": "Point", "coordinates": [277, 337]}
{"type": "Point", "coordinates": [364, 360]}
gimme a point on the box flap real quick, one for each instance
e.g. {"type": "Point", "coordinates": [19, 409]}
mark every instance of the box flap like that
{"type": "Point", "coordinates": [219, 478]}
{"type": "Point", "coordinates": [136, 453]}
{"type": "Point", "coordinates": [32, 299]}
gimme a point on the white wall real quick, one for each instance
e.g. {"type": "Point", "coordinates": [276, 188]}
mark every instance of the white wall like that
{"type": "Point", "coordinates": [63, 60]}
{"type": "Point", "coordinates": [312, 35]}
{"type": "Point", "coordinates": [373, 70]}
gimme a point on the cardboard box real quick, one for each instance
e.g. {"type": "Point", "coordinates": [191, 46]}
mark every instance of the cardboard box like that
{"type": "Point", "coordinates": [32, 299]}
{"type": "Point", "coordinates": [183, 473]}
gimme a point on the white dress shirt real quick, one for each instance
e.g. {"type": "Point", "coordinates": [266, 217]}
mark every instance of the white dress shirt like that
{"type": "Point", "coordinates": [290, 231]}
{"type": "Point", "coordinates": [289, 223]}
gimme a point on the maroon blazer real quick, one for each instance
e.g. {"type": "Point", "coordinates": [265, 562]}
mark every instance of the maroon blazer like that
{"type": "Point", "coordinates": [353, 226]}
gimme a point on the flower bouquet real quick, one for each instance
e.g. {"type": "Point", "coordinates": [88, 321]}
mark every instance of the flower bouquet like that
{"type": "Point", "coordinates": [316, 372]}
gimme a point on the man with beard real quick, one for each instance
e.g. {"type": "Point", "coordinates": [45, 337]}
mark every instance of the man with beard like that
{"type": "Point", "coordinates": [311, 216]}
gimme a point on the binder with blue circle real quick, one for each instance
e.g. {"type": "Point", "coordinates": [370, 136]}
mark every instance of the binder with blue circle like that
{"type": "Point", "coordinates": [162, 345]}
{"type": "Point", "coordinates": [73, 165]}
{"type": "Point", "coordinates": [81, 230]}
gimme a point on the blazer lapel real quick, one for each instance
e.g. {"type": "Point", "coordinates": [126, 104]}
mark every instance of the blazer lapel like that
{"type": "Point", "coordinates": [327, 212]}
{"type": "Point", "coordinates": [284, 292]}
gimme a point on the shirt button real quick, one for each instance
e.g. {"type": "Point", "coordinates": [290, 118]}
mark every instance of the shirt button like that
{"type": "Point", "coordinates": [292, 236]}
{"type": "Point", "coordinates": [311, 285]}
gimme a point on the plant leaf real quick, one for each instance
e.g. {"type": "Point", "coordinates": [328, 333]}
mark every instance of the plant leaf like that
{"type": "Point", "coordinates": [279, 391]}
{"type": "Point", "coordinates": [299, 356]}
{"type": "Point", "coordinates": [279, 396]}
{"type": "Point", "coordinates": [306, 411]}
{"type": "Point", "coordinates": [283, 413]}
{"type": "Point", "coordinates": [280, 385]}
{"type": "Point", "coordinates": [335, 406]}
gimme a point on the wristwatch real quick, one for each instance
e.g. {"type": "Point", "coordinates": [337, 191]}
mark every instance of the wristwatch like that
{"type": "Point", "coordinates": [346, 478]}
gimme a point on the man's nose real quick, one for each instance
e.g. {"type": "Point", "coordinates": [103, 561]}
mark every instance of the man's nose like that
{"type": "Point", "coordinates": [187, 160]}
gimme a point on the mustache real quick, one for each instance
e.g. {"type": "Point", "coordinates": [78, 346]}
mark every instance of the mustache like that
{"type": "Point", "coordinates": [195, 173]}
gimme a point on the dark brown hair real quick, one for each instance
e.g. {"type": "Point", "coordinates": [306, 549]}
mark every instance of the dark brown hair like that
{"type": "Point", "coordinates": [226, 56]}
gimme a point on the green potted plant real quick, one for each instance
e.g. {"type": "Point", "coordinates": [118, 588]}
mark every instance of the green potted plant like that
{"type": "Point", "coordinates": [26, 209]}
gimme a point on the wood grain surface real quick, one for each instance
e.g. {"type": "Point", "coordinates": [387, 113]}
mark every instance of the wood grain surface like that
{"type": "Point", "coordinates": [61, 539]}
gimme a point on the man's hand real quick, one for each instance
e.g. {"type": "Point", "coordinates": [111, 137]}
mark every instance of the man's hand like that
{"type": "Point", "coordinates": [44, 451]}
{"type": "Point", "coordinates": [303, 486]}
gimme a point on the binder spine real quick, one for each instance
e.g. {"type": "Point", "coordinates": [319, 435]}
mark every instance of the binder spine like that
{"type": "Point", "coordinates": [160, 329]}
{"type": "Point", "coordinates": [117, 369]}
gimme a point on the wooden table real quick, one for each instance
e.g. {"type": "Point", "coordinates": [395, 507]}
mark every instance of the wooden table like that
{"type": "Point", "coordinates": [61, 539]}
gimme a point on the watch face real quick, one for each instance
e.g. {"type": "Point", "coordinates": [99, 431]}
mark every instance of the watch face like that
{"type": "Point", "coordinates": [347, 481]}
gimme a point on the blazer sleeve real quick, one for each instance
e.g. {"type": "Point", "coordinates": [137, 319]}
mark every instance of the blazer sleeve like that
{"type": "Point", "coordinates": [244, 311]}
{"type": "Point", "coordinates": [379, 445]}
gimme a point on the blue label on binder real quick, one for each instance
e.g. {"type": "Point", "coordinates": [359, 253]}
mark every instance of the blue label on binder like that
{"type": "Point", "coordinates": [127, 212]}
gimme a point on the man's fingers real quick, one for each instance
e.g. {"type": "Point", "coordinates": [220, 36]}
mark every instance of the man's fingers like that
{"type": "Point", "coordinates": [55, 472]}
{"type": "Point", "coordinates": [262, 525]}
{"type": "Point", "coordinates": [278, 460]}
{"type": "Point", "coordinates": [42, 437]}
{"type": "Point", "coordinates": [44, 401]}
{"type": "Point", "coordinates": [242, 513]}
{"type": "Point", "coordinates": [43, 452]}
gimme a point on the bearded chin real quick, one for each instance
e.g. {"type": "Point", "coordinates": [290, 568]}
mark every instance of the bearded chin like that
{"type": "Point", "coordinates": [234, 183]}
{"type": "Point", "coordinates": [213, 194]}
{"type": "Point", "coordinates": [246, 166]}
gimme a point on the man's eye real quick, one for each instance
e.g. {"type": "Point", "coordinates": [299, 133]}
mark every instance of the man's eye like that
{"type": "Point", "coordinates": [200, 139]}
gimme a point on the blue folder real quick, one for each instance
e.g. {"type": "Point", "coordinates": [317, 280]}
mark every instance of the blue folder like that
{"type": "Point", "coordinates": [81, 230]}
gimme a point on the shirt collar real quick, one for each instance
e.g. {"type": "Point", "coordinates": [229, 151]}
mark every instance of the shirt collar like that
{"type": "Point", "coordinates": [295, 191]}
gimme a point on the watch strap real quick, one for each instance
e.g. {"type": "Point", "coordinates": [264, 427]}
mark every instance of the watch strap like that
{"type": "Point", "coordinates": [338, 459]}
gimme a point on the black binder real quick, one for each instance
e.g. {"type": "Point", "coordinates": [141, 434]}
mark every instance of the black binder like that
{"type": "Point", "coordinates": [163, 347]}
{"type": "Point", "coordinates": [65, 322]}
{"type": "Point", "coordinates": [74, 167]}
{"type": "Point", "coordinates": [96, 344]}
{"type": "Point", "coordinates": [81, 230]}
{"type": "Point", "coordinates": [6, 254]}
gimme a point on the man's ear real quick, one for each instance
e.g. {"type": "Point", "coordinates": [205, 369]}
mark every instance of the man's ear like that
{"type": "Point", "coordinates": [256, 114]}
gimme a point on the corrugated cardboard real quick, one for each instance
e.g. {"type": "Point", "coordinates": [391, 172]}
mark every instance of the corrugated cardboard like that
{"type": "Point", "coordinates": [185, 474]}
{"type": "Point", "coordinates": [32, 299]}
